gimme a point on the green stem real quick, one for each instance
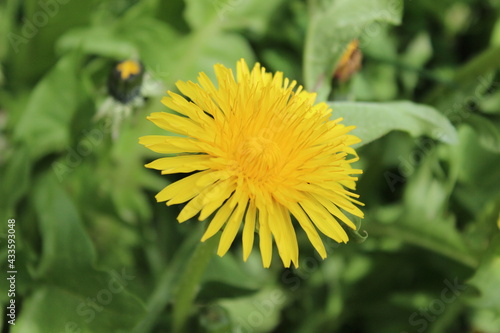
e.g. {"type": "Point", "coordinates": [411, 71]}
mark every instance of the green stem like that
{"type": "Point", "coordinates": [189, 282]}
{"type": "Point", "coordinates": [162, 295]}
{"type": "Point", "coordinates": [409, 68]}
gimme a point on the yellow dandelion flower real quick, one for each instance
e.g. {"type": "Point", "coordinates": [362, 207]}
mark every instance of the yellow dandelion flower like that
{"type": "Point", "coordinates": [260, 152]}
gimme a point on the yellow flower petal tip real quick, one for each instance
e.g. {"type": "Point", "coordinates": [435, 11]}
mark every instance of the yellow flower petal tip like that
{"type": "Point", "coordinates": [259, 152]}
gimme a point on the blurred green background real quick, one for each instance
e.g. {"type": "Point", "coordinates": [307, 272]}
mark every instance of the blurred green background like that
{"type": "Point", "coordinates": [96, 253]}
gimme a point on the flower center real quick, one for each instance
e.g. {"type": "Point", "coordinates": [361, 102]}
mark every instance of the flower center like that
{"type": "Point", "coordinates": [259, 158]}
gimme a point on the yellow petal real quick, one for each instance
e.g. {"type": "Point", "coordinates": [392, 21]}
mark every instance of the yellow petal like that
{"type": "Point", "coordinates": [346, 204]}
{"type": "Point", "coordinates": [187, 184]}
{"type": "Point", "coordinates": [308, 227]}
{"type": "Point", "coordinates": [179, 104]}
{"type": "Point", "coordinates": [214, 199]}
{"type": "Point", "coordinates": [283, 232]}
{"type": "Point", "coordinates": [340, 199]}
{"type": "Point", "coordinates": [196, 184]}
{"type": "Point", "coordinates": [218, 221]}
{"type": "Point", "coordinates": [202, 98]}
{"type": "Point", "coordinates": [330, 206]}
{"type": "Point", "coordinates": [183, 163]}
{"type": "Point", "coordinates": [242, 72]}
{"type": "Point", "coordinates": [231, 228]}
{"type": "Point", "coordinates": [195, 205]}
{"type": "Point", "coordinates": [324, 221]}
{"type": "Point", "coordinates": [170, 145]}
{"type": "Point", "coordinates": [249, 230]}
{"type": "Point", "coordinates": [180, 125]}
{"type": "Point", "coordinates": [265, 240]}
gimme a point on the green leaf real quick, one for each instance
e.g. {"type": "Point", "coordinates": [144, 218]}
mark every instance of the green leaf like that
{"type": "Point", "coordinates": [96, 301]}
{"type": "Point", "coordinates": [42, 24]}
{"type": "Point", "coordinates": [215, 319]}
{"type": "Point", "coordinates": [6, 19]}
{"type": "Point", "coordinates": [491, 103]}
{"type": "Point", "coordinates": [478, 233]}
{"type": "Point", "coordinates": [232, 270]}
{"type": "Point", "coordinates": [417, 54]}
{"type": "Point", "coordinates": [231, 14]}
{"type": "Point", "coordinates": [332, 25]}
{"type": "Point", "coordinates": [469, 84]}
{"type": "Point", "coordinates": [15, 179]}
{"type": "Point", "coordinates": [207, 45]}
{"type": "Point", "coordinates": [202, 50]}
{"type": "Point", "coordinates": [263, 308]}
{"type": "Point", "coordinates": [154, 41]}
{"type": "Point", "coordinates": [487, 130]}
{"type": "Point", "coordinates": [476, 165]}
{"type": "Point", "coordinates": [484, 320]}
{"type": "Point", "coordinates": [377, 81]}
{"type": "Point", "coordinates": [106, 307]}
{"type": "Point", "coordinates": [133, 37]}
{"type": "Point", "coordinates": [61, 229]}
{"type": "Point", "coordinates": [439, 236]}
{"type": "Point", "coordinates": [164, 290]}
{"type": "Point", "coordinates": [425, 214]}
{"type": "Point", "coordinates": [200, 14]}
{"type": "Point", "coordinates": [280, 59]}
{"type": "Point", "coordinates": [213, 290]}
{"type": "Point", "coordinates": [172, 12]}
{"type": "Point", "coordinates": [374, 120]}
{"type": "Point", "coordinates": [44, 125]}
{"type": "Point", "coordinates": [423, 219]}
{"type": "Point", "coordinates": [486, 279]}
{"type": "Point", "coordinates": [99, 40]}
{"type": "Point", "coordinates": [127, 163]}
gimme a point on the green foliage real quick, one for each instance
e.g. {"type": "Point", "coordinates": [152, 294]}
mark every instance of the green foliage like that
{"type": "Point", "coordinates": [72, 294]}
{"type": "Point", "coordinates": [44, 125]}
{"type": "Point", "coordinates": [96, 253]}
{"type": "Point", "coordinates": [332, 25]}
{"type": "Point", "coordinates": [373, 120]}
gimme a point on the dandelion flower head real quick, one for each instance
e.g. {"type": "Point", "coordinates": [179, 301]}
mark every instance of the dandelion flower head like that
{"type": "Point", "coordinates": [261, 156]}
